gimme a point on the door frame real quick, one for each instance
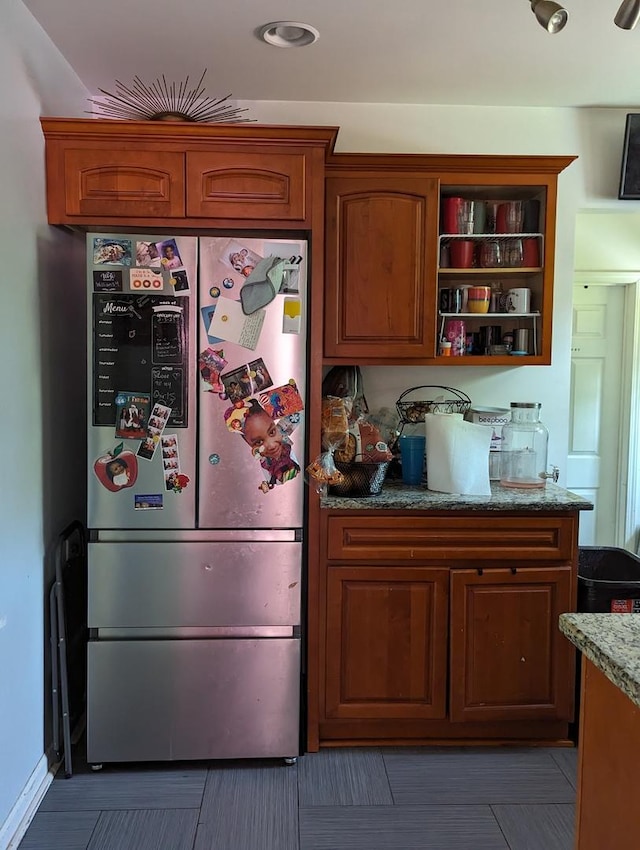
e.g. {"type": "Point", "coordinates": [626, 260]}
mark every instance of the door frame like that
{"type": "Point", "coordinates": [628, 471]}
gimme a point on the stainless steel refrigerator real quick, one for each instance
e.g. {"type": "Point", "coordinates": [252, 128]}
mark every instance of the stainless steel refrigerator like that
{"type": "Point", "coordinates": [196, 443]}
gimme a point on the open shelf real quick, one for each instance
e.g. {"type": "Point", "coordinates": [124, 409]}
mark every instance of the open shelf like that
{"type": "Point", "coordinates": [489, 315]}
{"type": "Point", "coordinates": [490, 271]}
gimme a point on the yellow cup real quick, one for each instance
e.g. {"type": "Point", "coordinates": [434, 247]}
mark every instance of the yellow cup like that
{"type": "Point", "coordinates": [478, 299]}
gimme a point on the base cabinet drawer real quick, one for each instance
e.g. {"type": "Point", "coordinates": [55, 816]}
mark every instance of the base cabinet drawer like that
{"type": "Point", "coordinates": [450, 538]}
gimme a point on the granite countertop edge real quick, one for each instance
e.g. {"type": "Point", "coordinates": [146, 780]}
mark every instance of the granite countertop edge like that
{"type": "Point", "coordinates": [396, 496]}
{"type": "Point", "coordinates": [612, 643]}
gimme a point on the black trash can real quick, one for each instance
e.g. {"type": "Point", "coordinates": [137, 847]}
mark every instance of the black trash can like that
{"type": "Point", "coordinates": [608, 580]}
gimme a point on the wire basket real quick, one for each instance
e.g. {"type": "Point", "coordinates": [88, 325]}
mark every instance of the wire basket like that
{"type": "Point", "coordinates": [438, 400]}
{"type": "Point", "coordinates": [360, 479]}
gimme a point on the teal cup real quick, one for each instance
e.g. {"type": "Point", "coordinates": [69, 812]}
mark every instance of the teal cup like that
{"type": "Point", "coordinates": [412, 449]}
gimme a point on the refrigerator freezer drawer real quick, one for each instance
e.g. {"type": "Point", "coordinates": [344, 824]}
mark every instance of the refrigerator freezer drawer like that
{"type": "Point", "coordinates": [200, 699]}
{"type": "Point", "coordinates": [194, 585]}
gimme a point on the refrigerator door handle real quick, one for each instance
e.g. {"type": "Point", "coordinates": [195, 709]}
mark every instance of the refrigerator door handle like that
{"type": "Point", "coordinates": [221, 535]}
{"type": "Point", "coordinates": [190, 633]}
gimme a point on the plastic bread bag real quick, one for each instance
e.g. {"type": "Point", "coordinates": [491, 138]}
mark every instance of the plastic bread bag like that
{"type": "Point", "coordinates": [364, 444]}
{"type": "Point", "coordinates": [324, 472]}
{"type": "Point", "coordinates": [346, 382]}
{"type": "Point", "coordinates": [335, 422]}
{"type": "Point", "coordinates": [388, 424]}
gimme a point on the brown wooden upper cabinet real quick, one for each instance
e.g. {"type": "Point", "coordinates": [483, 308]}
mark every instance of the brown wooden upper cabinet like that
{"type": "Point", "coordinates": [135, 173]}
{"type": "Point", "coordinates": [380, 267]}
{"type": "Point", "coordinates": [393, 252]}
{"type": "Point", "coordinates": [267, 184]}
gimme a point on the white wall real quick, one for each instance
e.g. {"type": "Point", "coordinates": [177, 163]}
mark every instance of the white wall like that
{"type": "Point", "coordinates": [607, 229]}
{"type": "Point", "coordinates": [41, 384]}
{"type": "Point", "coordinates": [480, 130]}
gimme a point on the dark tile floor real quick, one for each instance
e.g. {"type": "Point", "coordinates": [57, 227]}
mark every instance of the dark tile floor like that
{"type": "Point", "coordinates": [357, 799]}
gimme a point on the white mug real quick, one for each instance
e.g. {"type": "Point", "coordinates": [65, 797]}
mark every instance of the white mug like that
{"type": "Point", "coordinates": [518, 300]}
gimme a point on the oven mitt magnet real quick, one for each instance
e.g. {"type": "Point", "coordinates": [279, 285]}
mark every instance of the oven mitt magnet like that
{"type": "Point", "coordinates": [262, 285]}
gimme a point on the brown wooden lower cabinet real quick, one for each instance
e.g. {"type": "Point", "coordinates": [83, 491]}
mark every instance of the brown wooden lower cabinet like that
{"type": "Point", "coordinates": [450, 649]}
{"type": "Point", "coordinates": [386, 642]}
{"type": "Point", "coordinates": [607, 817]}
{"type": "Point", "coordinates": [509, 660]}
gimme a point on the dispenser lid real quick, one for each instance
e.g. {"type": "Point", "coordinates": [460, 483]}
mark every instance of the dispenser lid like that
{"type": "Point", "coordinates": [530, 405]}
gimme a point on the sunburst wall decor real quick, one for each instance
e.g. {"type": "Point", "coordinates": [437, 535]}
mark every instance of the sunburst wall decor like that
{"type": "Point", "coordinates": [162, 101]}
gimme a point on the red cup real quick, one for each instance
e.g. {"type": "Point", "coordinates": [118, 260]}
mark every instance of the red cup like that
{"type": "Point", "coordinates": [509, 217]}
{"type": "Point", "coordinates": [451, 209]}
{"type": "Point", "coordinates": [461, 253]}
{"type": "Point", "coordinates": [530, 253]}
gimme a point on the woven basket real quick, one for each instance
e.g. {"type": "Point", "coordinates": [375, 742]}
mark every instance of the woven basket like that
{"type": "Point", "coordinates": [434, 399]}
{"type": "Point", "coordinates": [360, 479]}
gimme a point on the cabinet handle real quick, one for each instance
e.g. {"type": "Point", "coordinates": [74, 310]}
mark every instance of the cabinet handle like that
{"type": "Point", "coordinates": [513, 571]}
{"type": "Point", "coordinates": [479, 571]}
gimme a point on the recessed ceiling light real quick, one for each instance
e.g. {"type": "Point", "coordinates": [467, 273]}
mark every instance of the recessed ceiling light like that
{"type": "Point", "coordinates": [288, 34]}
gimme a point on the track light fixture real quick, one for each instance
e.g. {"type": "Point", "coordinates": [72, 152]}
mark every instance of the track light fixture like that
{"type": "Point", "coordinates": [628, 14]}
{"type": "Point", "coordinates": [550, 15]}
{"type": "Point", "coordinates": [553, 17]}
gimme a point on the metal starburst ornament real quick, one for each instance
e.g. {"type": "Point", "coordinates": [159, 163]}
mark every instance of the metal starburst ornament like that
{"type": "Point", "coordinates": [162, 101]}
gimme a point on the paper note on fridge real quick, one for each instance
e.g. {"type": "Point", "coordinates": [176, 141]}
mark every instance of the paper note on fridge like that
{"type": "Point", "coordinates": [292, 315]}
{"type": "Point", "coordinates": [230, 323]}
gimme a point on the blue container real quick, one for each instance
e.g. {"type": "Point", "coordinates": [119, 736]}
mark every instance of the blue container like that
{"type": "Point", "coordinates": [412, 450]}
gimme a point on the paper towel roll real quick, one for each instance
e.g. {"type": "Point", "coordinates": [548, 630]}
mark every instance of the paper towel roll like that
{"type": "Point", "coordinates": [457, 455]}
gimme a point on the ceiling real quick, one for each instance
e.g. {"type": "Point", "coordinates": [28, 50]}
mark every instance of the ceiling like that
{"type": "Point", "coordinates": [480, 52]}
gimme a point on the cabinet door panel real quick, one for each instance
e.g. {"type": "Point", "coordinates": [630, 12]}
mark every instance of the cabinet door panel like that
{"type": "Point", "coordinates": [381, 267]}
{"type": "Point", "coordinates": [148, 184]}
{"type": "Point", "coordinates": [386, 642]}
{"type": "Point", "coordinates": [509, 660]}
{"type": "Point", "coordinates": [268, 186]}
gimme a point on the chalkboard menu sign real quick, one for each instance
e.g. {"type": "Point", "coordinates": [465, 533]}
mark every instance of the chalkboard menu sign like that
{"type": "Point", "coordinates": [140, 345]}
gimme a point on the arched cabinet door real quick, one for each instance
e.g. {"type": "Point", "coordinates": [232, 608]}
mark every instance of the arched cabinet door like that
{"type": "Point", "coordinates": [381, 268]}
{"type": "Point", "coordinates": [139, 174]}
{"type": "Point", "coordinates": [123, 183]}
{"type": "Point", "coordinates": [266, 185]}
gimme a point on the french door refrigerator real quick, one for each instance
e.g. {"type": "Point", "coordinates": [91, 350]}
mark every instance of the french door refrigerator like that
{"type": "Point", "coordinates": [196, 444]}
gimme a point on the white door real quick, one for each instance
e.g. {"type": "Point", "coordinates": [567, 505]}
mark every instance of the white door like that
{"type": "Point", "coordinates": [596, 394]}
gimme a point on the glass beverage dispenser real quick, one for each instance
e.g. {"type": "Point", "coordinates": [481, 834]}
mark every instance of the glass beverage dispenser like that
{"type": "Point", "coordinates": [523, 459]}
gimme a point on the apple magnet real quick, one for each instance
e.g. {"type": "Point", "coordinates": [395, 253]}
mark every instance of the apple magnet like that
{"type": "Point", "coordinates": [116, 469]}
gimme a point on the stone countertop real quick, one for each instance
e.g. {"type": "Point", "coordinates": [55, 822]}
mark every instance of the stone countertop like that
{"type": "Point", "coordinates": [398, 496]}
{"type": "Point", "coordinates": [612, 643]}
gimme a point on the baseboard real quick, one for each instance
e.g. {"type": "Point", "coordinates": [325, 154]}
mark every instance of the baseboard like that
{"type": "Point", "coordinates": [13, 829]}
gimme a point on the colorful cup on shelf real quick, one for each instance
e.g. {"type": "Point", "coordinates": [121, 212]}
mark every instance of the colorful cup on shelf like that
{"type": "Point", "coordinates": [455, 332]}
{"type": "Point", "coordinates": [479, 217]}
{"type": "Point", "coordinates": [531, 252]}
{"type": "Point", "coordinates": [509, 217]}
{"type": "Point", "coordinates": [461, 253]}
{"type": "Point", "coordinates": [491, 254]}
{"type": "Point", "coordinates": [519, 300]}
{"type": "Point", "coordinates": [457, 215]}
{"type": "Point", "coordinates": [478, 299]}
